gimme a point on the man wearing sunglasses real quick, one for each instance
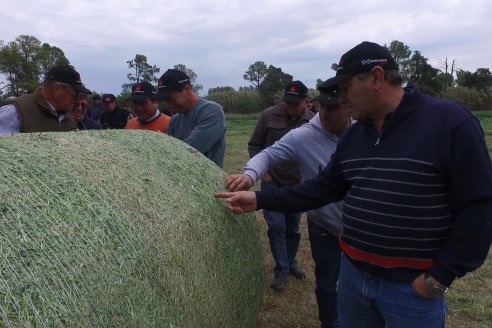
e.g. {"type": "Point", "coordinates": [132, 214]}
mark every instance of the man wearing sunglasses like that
{"type": "Point", "coordinates": [48, 108]}
{"type": "Point", "coordinates": [283, 228]}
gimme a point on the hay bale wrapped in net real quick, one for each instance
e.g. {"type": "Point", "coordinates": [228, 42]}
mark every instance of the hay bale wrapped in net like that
{"type": "Point", "coordinates": [120, 229]}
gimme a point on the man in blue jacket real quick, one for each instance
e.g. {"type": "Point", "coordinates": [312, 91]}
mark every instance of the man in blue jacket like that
{"type": "Point", "coordinates": [198, 122]}
{"type": "Point", "coordinates": [416, 178]}
{"type": "Point", "coordinates": [321, 133]}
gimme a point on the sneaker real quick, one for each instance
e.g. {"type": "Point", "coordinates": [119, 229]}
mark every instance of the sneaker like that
{"type": "Point", "coordinates": [278, 283]}
{"type": "Point", "coordinates": [297, 273]}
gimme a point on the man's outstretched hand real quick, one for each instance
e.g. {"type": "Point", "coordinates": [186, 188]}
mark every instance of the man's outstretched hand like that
{"type": "Point", "coordinates": [239, 201]}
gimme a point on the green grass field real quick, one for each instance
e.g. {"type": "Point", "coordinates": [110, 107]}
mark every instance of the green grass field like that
{"type": "Point", "coordinates": [469, 300]}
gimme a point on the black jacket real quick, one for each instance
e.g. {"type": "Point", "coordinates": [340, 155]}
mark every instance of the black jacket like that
{"type": "Point", "coordinates": [116, 119]}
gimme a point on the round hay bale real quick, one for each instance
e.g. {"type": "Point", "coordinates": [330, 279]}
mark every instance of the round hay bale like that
{"type": "Point", "coordinates": [120, 229]}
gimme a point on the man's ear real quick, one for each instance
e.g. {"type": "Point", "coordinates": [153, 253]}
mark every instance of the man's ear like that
{"type": "Point", "coordinates": [377, 76]}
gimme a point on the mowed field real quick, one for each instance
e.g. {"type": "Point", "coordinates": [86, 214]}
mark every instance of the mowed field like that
{"type": "Point", "coordinates": [469, 300]}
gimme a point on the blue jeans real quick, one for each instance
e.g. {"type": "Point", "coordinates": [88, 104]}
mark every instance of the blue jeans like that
{"type": "Point", "coordinates": [365, 300]}
{"type": "Point", "coordinates": [283, 235]}
{"type": "Point", "coordinates": [326, 255]}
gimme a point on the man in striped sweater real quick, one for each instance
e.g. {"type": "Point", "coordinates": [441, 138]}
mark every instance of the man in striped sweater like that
{"type": "Point", "coordinates": [416, 179]}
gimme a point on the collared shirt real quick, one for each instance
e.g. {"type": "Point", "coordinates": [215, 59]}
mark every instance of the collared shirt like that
{"type": "Point", "coordinates": [9, 120]}
{"type": "Point", "coordinates": [155, 116]}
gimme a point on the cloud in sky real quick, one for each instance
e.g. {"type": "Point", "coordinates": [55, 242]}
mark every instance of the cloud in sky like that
{"type": "Point", "coordinates": [219, 39]}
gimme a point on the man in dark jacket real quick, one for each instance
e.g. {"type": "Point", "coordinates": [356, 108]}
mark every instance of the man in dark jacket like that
{"type": "Point", "coordinates": [114, 117]}
{"type": "Point", "coordinates": [95, 110]}
{"type": "Point", "coordinates": [416, 179]}
{"type": "Point", "coordinates": [283, 226]}
{"type": "Point", "coordinates": [48, 108]}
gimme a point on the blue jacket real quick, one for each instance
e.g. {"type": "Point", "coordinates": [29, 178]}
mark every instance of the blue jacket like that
{"type": "Point", "coordinates": [418, 197]}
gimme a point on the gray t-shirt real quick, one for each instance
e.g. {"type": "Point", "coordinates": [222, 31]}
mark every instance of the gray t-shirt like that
{"type": "Point", "coordinates": [203, 128]}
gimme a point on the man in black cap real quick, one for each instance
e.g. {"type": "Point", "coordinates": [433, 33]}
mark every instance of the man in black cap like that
{"type": "Point", "coordinates": [198, 122]}
{"type": "Point", "coordinates": [114, 117]}
{"type": "Point", "coordinates": [311, 145]}
{"type": "Point", "coordinates": [416, 179]}
{"type": "Point", "coordinates": [48, 108]}
{"type": "Point", "coordinates": [283, 227]}
{"type": "Point", "coordinates": [146, 107]}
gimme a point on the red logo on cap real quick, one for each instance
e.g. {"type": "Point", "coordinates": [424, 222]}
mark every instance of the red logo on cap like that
{"type": "Point", "coordinates": [161, 82]}
{"type": "Point", "coordinates": [138, 88]}
{"type": "Point", "coordinates": [293, 89]}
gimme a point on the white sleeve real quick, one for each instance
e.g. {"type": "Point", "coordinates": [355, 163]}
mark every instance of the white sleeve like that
{"type": "Point", "coordinates": [9, 120]}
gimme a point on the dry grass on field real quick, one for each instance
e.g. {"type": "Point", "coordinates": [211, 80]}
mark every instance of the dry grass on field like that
{"type": "Point", "coordinates": [469, 300]}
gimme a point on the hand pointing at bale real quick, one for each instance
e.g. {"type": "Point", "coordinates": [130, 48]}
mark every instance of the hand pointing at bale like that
{"type": "Point", "coordinates": [239, 201]}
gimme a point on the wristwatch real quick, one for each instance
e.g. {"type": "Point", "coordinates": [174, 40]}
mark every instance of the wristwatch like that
{"type": "Point", "coordinates": [433, 287]}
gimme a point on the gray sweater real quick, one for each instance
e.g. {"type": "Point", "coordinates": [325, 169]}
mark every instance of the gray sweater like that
{"type": "Point", "coordinates": [310, 146]}
{"type": "Point", "coordinates": [203, 128]}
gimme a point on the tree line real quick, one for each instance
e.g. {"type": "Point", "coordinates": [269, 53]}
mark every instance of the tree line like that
{"type": "Point", "coordinates": [23, 63]}
{"type": "Point", "coordinates": [24, 60]}
{"type": "Point", "coordinates": [474, 89]}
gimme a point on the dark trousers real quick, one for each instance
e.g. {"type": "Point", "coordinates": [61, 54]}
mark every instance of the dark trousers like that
{"type": "Point", "coordinates": [283, 235]}
{"type": "Point", "coordinates": [326, 253]}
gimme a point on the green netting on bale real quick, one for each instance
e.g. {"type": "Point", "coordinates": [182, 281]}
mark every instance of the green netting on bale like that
{"type": "Point", "coordinates": [120, 229]}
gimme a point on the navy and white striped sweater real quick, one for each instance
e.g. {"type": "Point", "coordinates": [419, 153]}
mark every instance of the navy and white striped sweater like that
{"type": "Point", "coordinates": [418, 197]}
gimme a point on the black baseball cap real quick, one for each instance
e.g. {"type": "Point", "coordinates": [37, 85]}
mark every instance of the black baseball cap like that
{"type": "Point", "coordinates": [108, 98]}
{"type": "Point", "coordinates": [328, 98]}
{"type": "Point", "coordinates": [143, 91]}
{"type": "Point", "coordinates": [172, 80]}
{"type": "Point", "coordinates": [360, 59]}
{"type": "Point", "coordinates": [67, 75]}
{"type": "Point", "coordinates": [295, 92]}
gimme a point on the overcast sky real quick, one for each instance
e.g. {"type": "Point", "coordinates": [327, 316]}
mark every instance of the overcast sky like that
{"type": "Point", "coordinates": [219, 39]}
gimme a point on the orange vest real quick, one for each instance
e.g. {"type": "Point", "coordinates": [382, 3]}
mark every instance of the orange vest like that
{"type": "Point", "coordinates": [159, 124]}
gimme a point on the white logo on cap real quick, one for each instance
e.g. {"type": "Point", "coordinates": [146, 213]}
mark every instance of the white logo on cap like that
{"type": "Point", "coordinates": [372, 61]}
